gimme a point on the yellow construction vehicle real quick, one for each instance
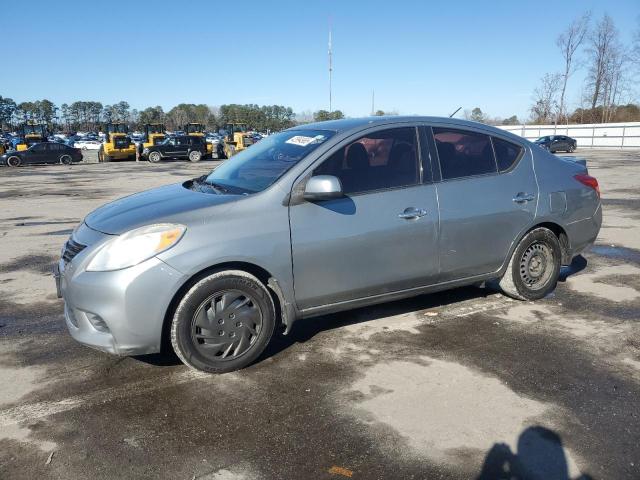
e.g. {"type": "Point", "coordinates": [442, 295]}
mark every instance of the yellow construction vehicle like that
{"type": "Point", "coordinates": [154, 133]}
{"type": "Point", "coordinates": [117, 144]}
{"type": "Point", "coordinates": [236, 139]}
{"type": "Point", "coordinates": [31, 133]}
{"type": "Point", "coordinates": [197, 130]}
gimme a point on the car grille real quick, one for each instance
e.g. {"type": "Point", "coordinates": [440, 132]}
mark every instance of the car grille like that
{"type": "Point", "coordinates": [71, 249]}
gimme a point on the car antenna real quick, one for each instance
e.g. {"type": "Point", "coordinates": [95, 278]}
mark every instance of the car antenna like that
{"type": "Point", "coordinates": [458, 109]}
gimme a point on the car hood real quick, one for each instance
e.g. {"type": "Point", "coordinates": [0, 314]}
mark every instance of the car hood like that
{"type": "Point", "coordinates": [171, 204]}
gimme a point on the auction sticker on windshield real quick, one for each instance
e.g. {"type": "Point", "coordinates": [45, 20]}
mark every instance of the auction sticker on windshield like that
{"type": "Point", "coordinates": [303, 141]}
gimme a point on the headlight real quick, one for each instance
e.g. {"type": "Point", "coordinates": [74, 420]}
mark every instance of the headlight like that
{"type": "Point", "coordinates": [146, 150]}
{"type": "Point", "coordinates": [136, 246]}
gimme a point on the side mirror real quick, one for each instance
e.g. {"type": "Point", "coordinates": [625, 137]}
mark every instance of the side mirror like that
{"type": "Point", "coordinates": [322, 187]}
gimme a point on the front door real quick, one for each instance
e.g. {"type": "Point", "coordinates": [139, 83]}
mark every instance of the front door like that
{"type": "Point", "coordinates": [381, 237]}
{"type": "Point", "coordinates": [486, 200]}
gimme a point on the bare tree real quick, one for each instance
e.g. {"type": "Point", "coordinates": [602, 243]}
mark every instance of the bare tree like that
{"type": "Point", "coordinates": [568, 42]}
{"type": "Point", "coordinates": [602, 44]}
{"type": "Point", "coordinates": [545, 99]}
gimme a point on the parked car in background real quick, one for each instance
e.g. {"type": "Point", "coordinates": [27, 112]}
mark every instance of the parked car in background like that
{"type": "Point", "coordinates": [555, 143]}
{"type": "Point", "coordinates": [179, 146]}
{"type": "Point", "coordinates": [46, 152]}
{"type": "Point", "coordinates": [321, 218]}
{"type": "Point", "coordinates": [87, 144]}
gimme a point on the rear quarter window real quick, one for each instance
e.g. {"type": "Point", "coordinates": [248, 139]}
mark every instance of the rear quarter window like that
{"type": "Point", "coordinates": [507, 153]}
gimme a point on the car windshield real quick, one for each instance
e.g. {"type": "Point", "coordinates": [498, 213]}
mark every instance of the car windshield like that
{"type": "Point", "coordinates": [542, 139]}
{"type": "Point", "coordinates": [257, 167]}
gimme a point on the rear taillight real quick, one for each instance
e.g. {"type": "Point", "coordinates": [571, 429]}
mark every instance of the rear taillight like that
{"type": "Point", "coordinates": [589, 181]}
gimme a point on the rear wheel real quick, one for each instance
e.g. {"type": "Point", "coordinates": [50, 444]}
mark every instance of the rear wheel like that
{"type": "Point", "coordinates": [195, 156]}
{"type": "Point", "coordinates": [14, 161]}
{"type": "Point", "coordinates": [154, 157]}
{"type": "Point", "coordinates": [223, 323]}
{"type": "Point", "coordinates": [65, 159]}
{"type": "Point", "coordinates": [534, 267]}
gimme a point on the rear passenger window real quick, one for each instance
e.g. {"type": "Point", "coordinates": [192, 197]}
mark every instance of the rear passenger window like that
{"type": "Point", "coordinates": [507, 153]}
{"type": "Point", "coordinates": [385, 159]}
{"type": "Point", "coordinates": [463, 153]}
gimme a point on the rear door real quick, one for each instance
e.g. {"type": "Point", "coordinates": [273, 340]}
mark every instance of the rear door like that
{"type": "Point", "coordinates": [487, 198]}
{"type": "Point", "coordinates": [367, 243]}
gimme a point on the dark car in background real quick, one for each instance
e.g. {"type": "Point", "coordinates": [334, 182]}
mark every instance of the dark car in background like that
{"type": "Point", "coordinates": [179, 146]}
{"type": "Point", "coordinates": [47, 152]}
{"type": "Point", "coordinates": [555, 143]}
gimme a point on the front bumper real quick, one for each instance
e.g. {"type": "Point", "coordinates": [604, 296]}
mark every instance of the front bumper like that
{"type": "Point", "coordinates": [120, 312]}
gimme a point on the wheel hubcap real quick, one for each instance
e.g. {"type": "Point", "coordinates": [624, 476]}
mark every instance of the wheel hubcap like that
{"type": "Point", "coordinates": [226, 325]}
{"type": "Point", "coordinates": [536, 265]}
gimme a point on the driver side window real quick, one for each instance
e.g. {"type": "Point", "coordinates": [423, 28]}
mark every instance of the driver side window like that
{"type": "Point", "coordinates": [380, 160]}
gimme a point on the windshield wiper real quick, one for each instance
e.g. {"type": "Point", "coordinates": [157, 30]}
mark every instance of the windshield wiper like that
{"type": "Point", "coordinates": [216, 186]}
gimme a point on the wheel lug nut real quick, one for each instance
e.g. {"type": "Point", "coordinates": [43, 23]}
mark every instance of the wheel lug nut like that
{"type": "Point", "coordinates": [232, 334]}
{"type": "Point", "coordinates": [232, 315]}
{"type": "Point", "coordinates": [221, 321]}
{"type": "Point", "coordinates": [238, 324]}
{"type": "Point", "coordinates": [221, 333]}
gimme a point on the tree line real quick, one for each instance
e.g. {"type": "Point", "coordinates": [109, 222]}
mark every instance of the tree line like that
{"type": "Point", "coordinates": [89, 115]}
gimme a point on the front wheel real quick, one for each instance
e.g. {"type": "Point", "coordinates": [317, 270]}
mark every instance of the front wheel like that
{"type": "Point", "coordinates": [154, 157]}
{"type": "Point", "coordinates": [223, 323]}
{"type": "Point", "coordinates": [534, 267]}
{"type": "Point", "coordinates": [14, 161]}
{"type": "Point", "coordinates": [195, 156]}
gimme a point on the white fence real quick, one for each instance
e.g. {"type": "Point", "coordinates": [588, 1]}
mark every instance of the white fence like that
{"type": "Point", "coordinates": [595, 135]}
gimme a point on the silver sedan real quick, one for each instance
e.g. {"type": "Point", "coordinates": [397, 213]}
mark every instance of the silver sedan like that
{"type": "Point", "coordinates": [317, 219]}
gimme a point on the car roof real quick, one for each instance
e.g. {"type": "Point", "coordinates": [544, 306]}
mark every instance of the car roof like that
{"type": "Point", "coordinates": [356, 124]}
{"type": "Point", "coordinates": [346, 124]}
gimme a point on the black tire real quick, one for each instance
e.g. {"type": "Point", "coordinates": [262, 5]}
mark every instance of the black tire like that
{"type": "Point", "coordinates": [195, 156]}
{"type": "Point", "coordinates": [66, 159]}
{"type": "Point", "coordinates": [534, 266]}
{"type": "Point", "coordinates": [14, 161]}
{"type": "Point", "coordinates": [154, 157]}
{"type": "Point", "coordinates": [205, 328]}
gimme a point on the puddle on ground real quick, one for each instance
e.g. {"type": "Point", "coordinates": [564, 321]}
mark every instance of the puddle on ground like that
{"type": "Point", "coordinates": [611, 251]}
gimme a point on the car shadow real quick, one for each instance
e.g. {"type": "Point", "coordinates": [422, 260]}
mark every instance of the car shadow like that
{"type": "Point", "coordinates": [578, 264]}
{"type": "Point", "coordinates": [307, 328]}
{"type": "Point", "coordinates": [540, 455]}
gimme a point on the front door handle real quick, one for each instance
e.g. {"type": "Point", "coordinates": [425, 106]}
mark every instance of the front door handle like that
{"type": "Point", "coordinates": [523, 197]}
{"type": "Point", "coordinates": [412, 212]}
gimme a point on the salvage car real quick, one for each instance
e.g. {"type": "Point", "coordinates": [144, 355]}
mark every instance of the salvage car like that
{"type": "Point", "coordinates": [46, 152]}
{"type": "Point", "coordinates": [179, 146]}
{"type": "Point", "coordinates": [555, 143]}
{"type": "Point", "coordinates": [317, 219]}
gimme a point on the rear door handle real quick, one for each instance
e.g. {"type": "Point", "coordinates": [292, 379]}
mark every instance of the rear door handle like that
{"type": "Point", "coordinates": [523, 197]}
{"type": "Point", "coordinates": [412, 212]}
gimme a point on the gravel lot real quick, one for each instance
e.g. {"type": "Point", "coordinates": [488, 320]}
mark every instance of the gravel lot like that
{"type": "Point", "coordinates": [451, 385]}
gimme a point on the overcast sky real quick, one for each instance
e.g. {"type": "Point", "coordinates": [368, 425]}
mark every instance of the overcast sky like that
{"type": "Point", "coordinates": [420, 57]}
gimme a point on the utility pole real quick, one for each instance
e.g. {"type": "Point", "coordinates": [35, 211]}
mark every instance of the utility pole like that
{"type": "Point", "coordinates": [330, 67]}
{"type": "Point", "coordinates": [373, 100]}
